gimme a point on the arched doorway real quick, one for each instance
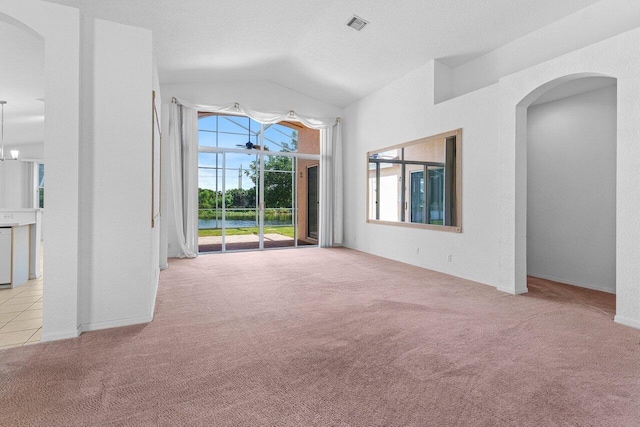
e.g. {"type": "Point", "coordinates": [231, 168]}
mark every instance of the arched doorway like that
{"type": "Point", "coordinates": [571, 186]}
{"type": "Point", "coordinates": [59, 26]}
{"type": "Point", "coordinates": [513, 268]}
{"type": "Point", "coordinates": [21, 167]}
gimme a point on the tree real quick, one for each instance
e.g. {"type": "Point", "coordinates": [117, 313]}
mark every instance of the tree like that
{"type": "Point", "coordinates": [277, 175]}
{"type": "Point", "coordinates": [210, 199]}
{"type": "Point", "coordinates": [241, 198]}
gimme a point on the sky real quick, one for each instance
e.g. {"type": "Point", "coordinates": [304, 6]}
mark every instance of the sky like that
{"type": "Point", "coordinates": [229, 132]}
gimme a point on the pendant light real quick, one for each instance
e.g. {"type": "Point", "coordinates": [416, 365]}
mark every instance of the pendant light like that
{"type": "Point", "coordinates": [14, 153]}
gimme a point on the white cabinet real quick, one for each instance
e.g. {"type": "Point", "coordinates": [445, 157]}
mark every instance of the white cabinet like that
{"type": "Point", "coordinates": [14, 255]}
{"type": "Point", "coordinates": [19, 246]}
{"type": "Point", "coordinates": [5, 256]}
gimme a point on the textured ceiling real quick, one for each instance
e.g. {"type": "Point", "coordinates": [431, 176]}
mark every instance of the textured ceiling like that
{"type": "Point", "coordinates": [305, 45]}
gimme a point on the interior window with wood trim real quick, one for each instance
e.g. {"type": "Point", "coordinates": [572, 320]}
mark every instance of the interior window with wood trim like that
{"type": "Point", "coordinates": [417, 183]}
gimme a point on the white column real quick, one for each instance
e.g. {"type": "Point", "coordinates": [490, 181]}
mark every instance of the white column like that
{"type": "Point", "coordinates": [628, 204]}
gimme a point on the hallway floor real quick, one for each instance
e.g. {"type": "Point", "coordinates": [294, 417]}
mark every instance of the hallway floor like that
{"type": "Point", "coordinates": [21, 314]}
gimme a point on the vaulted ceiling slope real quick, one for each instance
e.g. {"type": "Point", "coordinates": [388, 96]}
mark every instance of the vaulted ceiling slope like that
{"type": "Point", "coordinates": [305, 45]}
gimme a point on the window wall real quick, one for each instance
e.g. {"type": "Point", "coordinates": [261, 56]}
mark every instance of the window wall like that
{"type": "Point", "coordinates": [252, 182]}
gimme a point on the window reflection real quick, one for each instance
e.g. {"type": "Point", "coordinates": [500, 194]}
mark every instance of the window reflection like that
{"type": "Point", "coordinates": [416, 183]}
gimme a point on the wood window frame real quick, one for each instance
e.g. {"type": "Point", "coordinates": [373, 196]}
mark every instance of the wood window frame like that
{"type": "Point", "coordinates": [457, 228]}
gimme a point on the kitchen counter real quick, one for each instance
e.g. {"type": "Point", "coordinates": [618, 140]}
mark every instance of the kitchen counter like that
{"type": "Point", "coordinates": [25, 244]}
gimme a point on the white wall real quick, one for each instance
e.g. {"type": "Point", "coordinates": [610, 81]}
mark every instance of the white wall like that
{"type": "Point", "coordinates": [12, 183]}
{"type": "Point", "coordinates": [492, 246]}
{"type": "Point", "coordinates": [158, 257]}
{"type": "Point", "coordinates": [14, 177]}
{"type": "Point", "coordinates": [116, 259]}
{"type": "Point", "coordinates": [404, 111]}
{"type": "Point", "coordinates": [257, 95]}
{"type": "Point", "coordinates": [571, 189]}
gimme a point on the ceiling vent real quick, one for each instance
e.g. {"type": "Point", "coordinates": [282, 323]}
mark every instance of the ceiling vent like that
{"type": "Point", "coordinates": [357, 23]}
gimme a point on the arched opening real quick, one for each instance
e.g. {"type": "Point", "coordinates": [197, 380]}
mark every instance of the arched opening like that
{"type": "Point", "coordinates": [22, 91]}
{"type": "Point", "coordinates": [58, 27]}
{"type": "Point", "coordinates": [567, 136]}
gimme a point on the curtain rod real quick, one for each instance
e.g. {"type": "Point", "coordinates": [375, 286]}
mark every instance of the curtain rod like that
{"type": "Point", "coordinates": [236, 107]}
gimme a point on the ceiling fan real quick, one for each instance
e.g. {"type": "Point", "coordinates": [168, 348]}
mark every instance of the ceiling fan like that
{"type": "Point", "coordinates": [249, 146]}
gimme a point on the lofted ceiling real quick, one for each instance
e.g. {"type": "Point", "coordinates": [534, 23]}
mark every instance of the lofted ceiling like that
{"type": "Point", "coordinates": [305, 45]}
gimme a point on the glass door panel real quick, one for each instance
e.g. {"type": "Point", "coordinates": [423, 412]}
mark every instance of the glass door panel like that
{"type": "Point", "coordinates": [389, 206]}
{"type": "Point", "coordinates": [416, 197]}
{"type": "Point", "coordinates": [210, 202]}
{"type": "Point", "coordinates": [312, 202]}
{"type": "Point", "coordinates": [435, 195]}
{"type": "Point", "coordinates": [280, 212]}
{"type": "Point", "coordinates": [241, 229]}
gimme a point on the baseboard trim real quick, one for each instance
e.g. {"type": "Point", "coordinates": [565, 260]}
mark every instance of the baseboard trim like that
{"type": "Point", "coordinates": [512, 291]}
{"type": "Point", "coordinates": [627, 322]}
{"type": "Point", "coordinates": [97, 326]}
{"type": "Point", "coordinates": [155, 297]}
{"type": "Point", "coordinates": [580, 285]}
{"type": "Point", "coordinates": [57, 336]}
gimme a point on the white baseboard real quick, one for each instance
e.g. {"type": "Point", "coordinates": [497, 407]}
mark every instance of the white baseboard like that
{"type": "Point", "coordinates": [75, 333]}
{"type": "Point", "coordinates": [155, 297]}
{"type": "Point", "coordinates": [574, 283]}
{"type": "Point", "coordinates": [512, 291]}
{"type": "Point", "coordinates": [56, 336]}
{"type": "Point", "coordinates": [627, 322]}
{"type": "Point", "coordinates": [96, 326]}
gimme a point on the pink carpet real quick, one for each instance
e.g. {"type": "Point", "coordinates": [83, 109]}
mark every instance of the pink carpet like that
{"type": "Point", "coordinates": [318, 337]}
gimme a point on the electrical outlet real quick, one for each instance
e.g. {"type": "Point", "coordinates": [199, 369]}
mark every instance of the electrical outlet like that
{"type": "Point", "coordinates": [449, 258]}
{"type": "Point", "coordinates": [417, 250]}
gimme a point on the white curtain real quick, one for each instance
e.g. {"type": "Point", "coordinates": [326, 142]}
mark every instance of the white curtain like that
{"type": "Point", "coordinates": [330, 160]}
{"type": "Point", "coordinates": [338, 184]}
{"type": "Point", "coordinates": [183, 140]}
{"type": "Point", "coordinates": [331, 224]}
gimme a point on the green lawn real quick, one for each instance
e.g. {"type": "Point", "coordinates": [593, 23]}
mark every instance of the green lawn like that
{"type": "Point", "coordinates": [285, 231]}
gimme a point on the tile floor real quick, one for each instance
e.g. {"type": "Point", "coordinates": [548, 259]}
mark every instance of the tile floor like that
{"type": "Point", "coordinates": [21, 314]}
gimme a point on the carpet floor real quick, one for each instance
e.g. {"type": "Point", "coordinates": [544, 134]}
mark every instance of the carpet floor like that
{"type": "Point", "coordinates": [334, 337]}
